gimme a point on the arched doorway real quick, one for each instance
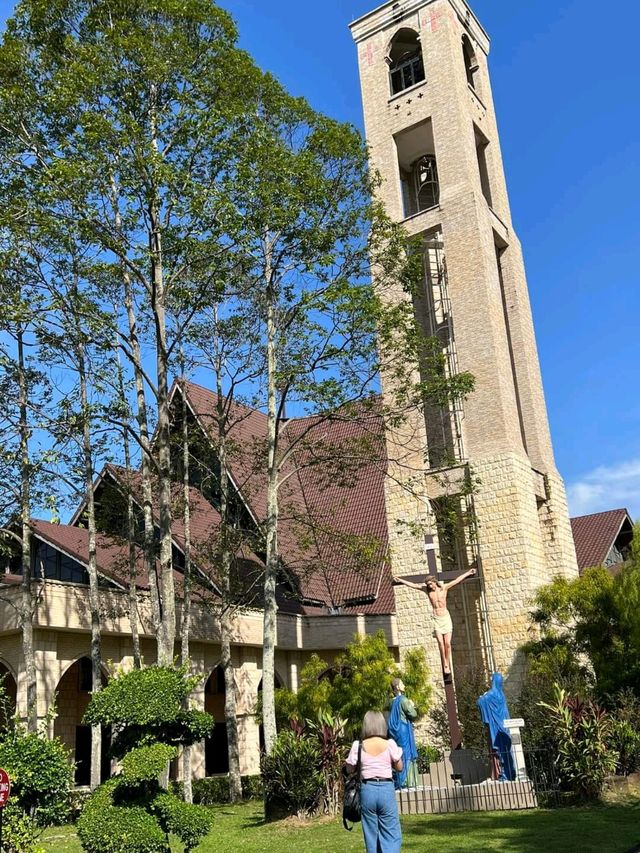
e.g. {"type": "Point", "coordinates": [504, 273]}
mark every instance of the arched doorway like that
{"type": "Point", "coordinates": [10, 692]}
{"type": "Point", "coordinates": [73, 695]}
{"type": "Point", "coordinates": [216, 749]}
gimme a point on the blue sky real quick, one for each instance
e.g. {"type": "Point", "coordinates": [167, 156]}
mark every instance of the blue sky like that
{"type": "Point", "coordinates": [566, 80]}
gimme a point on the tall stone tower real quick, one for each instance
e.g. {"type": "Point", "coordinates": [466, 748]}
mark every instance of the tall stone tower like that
{"type": "Point", "coordinates": [431, 125]}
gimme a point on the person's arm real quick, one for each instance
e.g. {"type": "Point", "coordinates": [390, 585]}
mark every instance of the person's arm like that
{"type": "Point", "coordinates": [408, 583]}
{"type": "Point", "coordinates": [463, 577]}
{"type": "Point", "coordinates": [351, 761]}
{"type": "Point", "coordinates": [396, 756]}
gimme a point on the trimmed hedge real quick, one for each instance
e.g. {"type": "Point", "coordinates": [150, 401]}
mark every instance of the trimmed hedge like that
{"type": "Point", "coordinates": [214, 790]}
{"type": "Point", "coordinates": [189, 822]}
{"type": "Point", "coordinates": [105, 828]}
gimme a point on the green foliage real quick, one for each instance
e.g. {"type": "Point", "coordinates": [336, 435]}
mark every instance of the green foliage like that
{"type": "Point", "coordinates": [20, 833]}
{"type": "Point", "coordinates": [215, 789]}
{"type": "Point", "coordinates": [594, 617]}
{"type": "Point", "coordinates": [625, 736]}
{"type": "Point", "coordinates": [131, 812]}
{"type": "Point", "coordinates": [146, 763]}
{"type": "Point", "coordinates": [357, 682]}
{"type": "Point", "coordinates": [106, 828]}
{"type": "Point", "coordinates": [329, 733]}
{"type": "Point", "coordinates": [41, 773]}
{"type": "Point", "coordinates": [291, 775]}
{"type": "Point", "coordinates": [583, 731]}
{"type": "Point", "coordinates": [426, 756]}
{"type": "Point", "coordinates": [146, 706]}
{"type": "Point", "coordinates": [189, 822]}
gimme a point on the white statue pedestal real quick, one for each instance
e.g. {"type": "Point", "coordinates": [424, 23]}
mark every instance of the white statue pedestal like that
{"type": "Point", "coordinates": [513, 727]}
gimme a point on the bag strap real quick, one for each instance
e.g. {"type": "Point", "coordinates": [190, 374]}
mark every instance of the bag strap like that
{"type": "Point", "coordinates": [357, 782]}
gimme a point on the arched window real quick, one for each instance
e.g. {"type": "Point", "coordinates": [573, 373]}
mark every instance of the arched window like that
{"type": "Point", "coordinates": [470, 62]}
{"type": "Point", "coordinates": [406, 67]}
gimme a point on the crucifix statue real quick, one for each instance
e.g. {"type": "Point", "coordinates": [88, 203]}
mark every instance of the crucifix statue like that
{"type": "Point", "coordinates": [443, 626]}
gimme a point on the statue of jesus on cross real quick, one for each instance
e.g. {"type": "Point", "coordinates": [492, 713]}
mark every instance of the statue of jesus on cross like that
{"type": "Point", "coordinates": [443, 626]}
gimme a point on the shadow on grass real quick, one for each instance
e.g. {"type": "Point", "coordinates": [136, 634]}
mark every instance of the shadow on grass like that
{"type": "Point", "coordinates": [595, 829]}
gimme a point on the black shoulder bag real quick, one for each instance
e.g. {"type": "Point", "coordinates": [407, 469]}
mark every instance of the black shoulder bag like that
{"type": "Point", "coordinates": [351, 809]}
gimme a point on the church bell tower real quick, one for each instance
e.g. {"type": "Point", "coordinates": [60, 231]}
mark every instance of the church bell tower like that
{"type": "Point", "coordinates": [431, 126]}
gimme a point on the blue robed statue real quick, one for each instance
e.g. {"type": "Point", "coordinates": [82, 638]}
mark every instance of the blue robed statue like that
{"type": "Point", "coordinates": [494, 711]}
{"type": "Point", "coordinates": [400, 727]}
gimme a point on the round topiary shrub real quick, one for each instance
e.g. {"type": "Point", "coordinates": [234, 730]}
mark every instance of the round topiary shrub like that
{"type": "Point", "coordinates": [106, 828]}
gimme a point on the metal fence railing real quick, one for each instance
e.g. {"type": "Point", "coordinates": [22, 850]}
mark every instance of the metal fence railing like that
{"type": "Point", "coordinates": [464, 780]}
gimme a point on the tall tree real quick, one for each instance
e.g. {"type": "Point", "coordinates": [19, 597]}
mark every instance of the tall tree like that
{"type": "Point", "coordinates": [311, 234]}
{"type": "Point", "coordinates": [23, 469]}
{"type": "Point", "coordinates": [143, 97]}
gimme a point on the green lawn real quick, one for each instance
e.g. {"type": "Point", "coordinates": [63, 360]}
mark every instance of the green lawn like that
{"type": "Point", "coordinates": [241, 829]}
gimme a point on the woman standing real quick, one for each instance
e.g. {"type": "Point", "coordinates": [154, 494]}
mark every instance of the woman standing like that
{"type": "Point", "coordinates": [379, 756]}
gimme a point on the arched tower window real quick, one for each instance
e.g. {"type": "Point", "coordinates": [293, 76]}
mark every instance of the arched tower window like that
{"type": "Point", "coordinates": [470, 62]}
{"type": "Point", "coordinates": [406, 67]}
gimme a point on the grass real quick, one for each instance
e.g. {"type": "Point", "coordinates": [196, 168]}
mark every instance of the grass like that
{"type": "Point", "coordinates": [241, 829]}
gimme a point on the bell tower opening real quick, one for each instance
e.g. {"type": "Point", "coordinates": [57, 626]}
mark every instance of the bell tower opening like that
{"type": "Point", "coordinates": [406, 65]}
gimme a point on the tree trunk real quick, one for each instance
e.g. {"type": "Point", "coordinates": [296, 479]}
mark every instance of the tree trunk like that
{"type": "Point", "coordinates": [271, 572]}
{"type": "Point", "coordinates": [167, 632]}
{"type": "Point", "coordinates": [94, 593]}
{"type": "Point", "coordinates": [149, 547]}
{"type": "Point", "coordinates": [230, 709]}
{"type": "Point", "coordinates": [27, 603]}
{"type": "Point", "coordinates": [131, 527]}
{"type": "Point", "coordinates": [186, 597]}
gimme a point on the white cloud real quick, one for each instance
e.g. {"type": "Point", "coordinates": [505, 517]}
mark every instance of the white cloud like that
{"type": "Point", "coordinates": [607, 487]}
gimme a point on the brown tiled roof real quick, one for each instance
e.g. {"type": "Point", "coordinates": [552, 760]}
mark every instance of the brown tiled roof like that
{"type": "Point", "coordinates": [331, 516]}
{"type": "Point", "coordinates": [594, 535]}
{"type": "Point", "coordinates": [112, 555]}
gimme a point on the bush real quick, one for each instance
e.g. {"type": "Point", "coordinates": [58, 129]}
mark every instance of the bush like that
{"type": "Point", "coordinates": [359, 680]}
{"type": "Point", "coordinates": [105, 828]}
{"type": "Point", "coordinates": [426, 756]}
{"type": "Point", "coordinates": [585, 757]}
{"type": "Point", "coordinates": [215, 789]}
{"type": "Point", "coordinates": [40, 771]}
{"type": "Point", "coordinates": [625, 741]}
{"type": "Point", "coordinates": [626, 731]}
{"type": "Point", "coordinates": [20, 833]}
{"type": "Point", "coordinates": [189, 822]}
{"type": "Point", "coordinates": [291, 777]}
{"type": "Point", "coordinates": [146, 762]}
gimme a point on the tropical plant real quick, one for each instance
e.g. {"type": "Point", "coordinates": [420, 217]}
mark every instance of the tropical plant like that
{"type": "Point", "coordinates": [329, 731]}
{"type": "Point", "coordinates": [291, 776]}
{"type": "Point", "coordinates": [584, 733]}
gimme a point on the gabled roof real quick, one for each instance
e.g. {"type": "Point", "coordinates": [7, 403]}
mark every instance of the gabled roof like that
{"type": "Point", "coordinates": [594, 535]}
{"type": "Point", "coordinates": [327, 522]}
{"type": "Point", "coordinates": [112, 556]}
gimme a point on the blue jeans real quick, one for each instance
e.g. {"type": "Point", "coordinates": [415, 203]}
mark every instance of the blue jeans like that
{"type": "Point", "coordinates": [380, 821]}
